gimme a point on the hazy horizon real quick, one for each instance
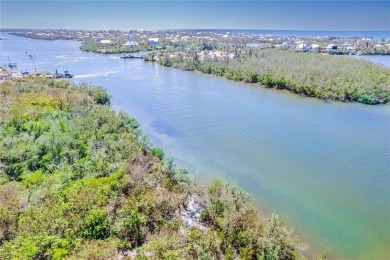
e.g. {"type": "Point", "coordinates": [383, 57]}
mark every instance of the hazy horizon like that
{"type": "Point", "coordinates": [191, 29]}
{"type": "Point", "coordinates": [179, 15]}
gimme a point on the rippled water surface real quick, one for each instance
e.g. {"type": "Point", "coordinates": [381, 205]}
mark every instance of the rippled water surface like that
{"type": "Point", "coordinates": [323, 166]}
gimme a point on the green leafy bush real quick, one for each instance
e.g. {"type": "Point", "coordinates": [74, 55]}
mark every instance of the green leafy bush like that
{"type": "Point", "coordinates": [101, 97]}
{"type": "Point", "coordinates": [97, 225]}
{"type": "Point", "coordinates": [158, 152]}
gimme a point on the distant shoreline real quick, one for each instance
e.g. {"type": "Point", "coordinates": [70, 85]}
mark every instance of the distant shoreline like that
{"type": "Point", "coordinates": [302, 33]}
{"type": "Point", "coordinates": [326, 77]}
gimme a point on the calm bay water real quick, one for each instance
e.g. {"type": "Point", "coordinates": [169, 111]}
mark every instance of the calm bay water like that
{"type": "Point", "coordinates": [323, 166]}
{"type": "Point", "coordinates": [378, 59]}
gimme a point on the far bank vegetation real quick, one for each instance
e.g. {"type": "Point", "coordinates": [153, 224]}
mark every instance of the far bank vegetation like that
{"type": "Point", "coordinates": [313, 75]}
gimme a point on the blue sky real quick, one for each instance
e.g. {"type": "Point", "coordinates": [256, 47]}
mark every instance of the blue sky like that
{"type": "Point", "coordinates": [273, 15]}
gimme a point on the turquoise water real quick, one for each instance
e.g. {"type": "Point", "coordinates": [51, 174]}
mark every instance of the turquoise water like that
{"type": "Point", "coordinates": [323, 166]}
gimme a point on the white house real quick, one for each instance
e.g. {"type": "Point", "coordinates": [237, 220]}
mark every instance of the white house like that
{"type": "Point", "coordinates": [367, 39]}
{"type": "Point", "coordinates": [315, 47]}
{"type": "Point", "coordinates": [105, 41]}
{"type": "Point", "coordinates": [153, 41]}
{"type": "Point", "coordinates": [185, 38]}
{"type": "Point", "coordinates": [131, 44]}
{"type": "Point", "coordinates": [349, 47]}
{"type": "Point", "coordinates": [331, 47]}
{"type": "Point", "coordinates": [303, 47]}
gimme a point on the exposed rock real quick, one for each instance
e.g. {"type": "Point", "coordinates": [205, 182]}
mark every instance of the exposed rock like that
{"type": "Point", "coordinates": [190, 214]}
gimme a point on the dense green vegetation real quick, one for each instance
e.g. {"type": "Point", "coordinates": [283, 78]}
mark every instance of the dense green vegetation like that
{"type": "Point", "coordinates": [112, 48]}
{"type": "Point", "coordinates": [313, 75]}
{"type": "Point", "coordinates": [80, 181]}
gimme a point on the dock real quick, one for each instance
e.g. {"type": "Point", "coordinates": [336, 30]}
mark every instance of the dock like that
{"type": "Point", "coordinates": [6, 74]}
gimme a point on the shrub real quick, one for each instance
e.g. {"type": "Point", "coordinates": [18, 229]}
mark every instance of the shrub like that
{"type": "Point", "coordinates": [101, 97]}
{"type": "Point", "coordinates": [158, 152]}
{"type": "Point", "coordinates": [97, 225]}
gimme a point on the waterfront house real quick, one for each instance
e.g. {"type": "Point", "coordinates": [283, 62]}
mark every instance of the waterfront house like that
{"type": "Point", "coordinates": [348, 47]}
{"type": "Point", "coordinates": [331, 47]}
{"type": "Point", "coordinates": [315, 47]}
{"type": "Point", "coordinates": [105, 41]}
{"type": "Point", "coordinates": [303, 46]}
{"type": "Point", "coordinates": [131, 44]}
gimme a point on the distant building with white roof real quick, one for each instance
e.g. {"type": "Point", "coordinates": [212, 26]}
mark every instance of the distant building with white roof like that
{"type": "Point", "coordinates": [315, 47]}
{"type": "Point", "coordinates": [331, 47]}
{"type": "Point", "coordinates": [349, 47]}
{"type": "Point", "coordinates": [131, 44]}
{"type": "Point", "coordinates": [367, 39]}
{"type": "Point", "coordinates": [153, 41]}
{"type": "Point", "coordinates": [105, 41]}
{"type": "Point", "coordinates": [303, 47]}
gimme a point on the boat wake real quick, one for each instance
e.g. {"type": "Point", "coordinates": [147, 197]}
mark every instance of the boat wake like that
{"type": "Point", "coordinates": [61, 56]}
{"type": "Point", "coordinates": [97, 74]}
{"type": "Point", "coordinates": [114, 57]}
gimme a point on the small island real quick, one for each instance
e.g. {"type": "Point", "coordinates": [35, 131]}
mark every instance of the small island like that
{"type": "Point", "coordinates": [312, 67]}
{"type": "Point", "coordinates": [322, 76]}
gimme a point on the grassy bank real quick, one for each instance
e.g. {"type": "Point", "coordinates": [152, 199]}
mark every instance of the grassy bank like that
{"type": "Point", "coordinates": [80, 181]}
{"type": "Point", "coordinates": [313, 75]}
